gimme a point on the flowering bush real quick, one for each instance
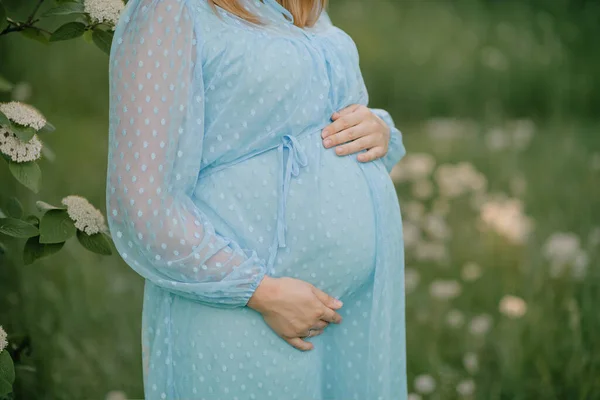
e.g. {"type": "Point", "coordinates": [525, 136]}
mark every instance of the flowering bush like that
{"type": "Point", "coordinates": [22, 129]}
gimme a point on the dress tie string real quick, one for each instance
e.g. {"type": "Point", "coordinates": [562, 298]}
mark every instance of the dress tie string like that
{"type": "Point", "coordinates": [296, 158]}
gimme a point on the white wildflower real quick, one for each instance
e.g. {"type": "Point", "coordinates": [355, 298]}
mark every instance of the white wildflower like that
{"type": "Point", "coordinates": [23, 114]}
{"type": "Point", "coordinates": [455, 318]}
{"type": "Point", "coordinates": [414, 396]}
{"type": "Point", "coordinates": [436, 226]}
{"type": "Point", "coordinates": [411, 234]}
{"type": "Point", "coordinates": [497, 140]}
{"type": "Point", "coordinates": [86, 217]}
{"type": "Point", "coordinates": [445, 289]}
{"type": "Point", "coordinates": [512, 306]}
{"type": "Point", "coordinates": [116, 395]}
{"type": "Point", "coordinates": [3, 339]}
{"type": "Point", "coordinates": [466, 388]}
{"type": "Point", "coordinates": [431, 251]}
{"type": "Point", "coordinates": [471, 362]}
{"type": "Point", "coordinates": [563, 251]}
{"type": "Point", "coordinates": [506, 217]}
{"type": "Point", "coordinates": [422, 189]}
{"type": "Point", "coordinates": [522, 134]}
{"type": "Point", "coordinates": [455, 180]}
{"type": "Point", "coordinates": [414, 167]}
{"type": "Point", "coordinates": [18, 150]}
{"type": "Point", "coordinates": [411, 279]}
{"type": "Point", "coordinates": [413, 210]}
{"type": "Point", "coordinates": [480, 325]}
{"type": "Point", "coordinates": [104, 11]}
{"type": "Point", "coordinates": [443, 129]}
{"type": "Point", "coordinates": [471, 272]}
{"type": "Point", "coordinates": [424, 384]}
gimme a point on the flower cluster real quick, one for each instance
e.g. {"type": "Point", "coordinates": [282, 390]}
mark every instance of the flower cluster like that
{"type": "Point", "coordinates": [104, 11]}
{"type": "Point", "coordinates": [18, 150]}
{"type": "Point", "coordinates": [86, 217]}
{"type": "Point", "coordinates": [506, 217]}
{"type": "Point", "coordinates": [3, 339]}
{"type": "Point", "coordinates": [23, 114]}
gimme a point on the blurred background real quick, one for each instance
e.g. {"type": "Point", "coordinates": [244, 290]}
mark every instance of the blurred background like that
{"type": "Point", "coordinates": [499, 104]}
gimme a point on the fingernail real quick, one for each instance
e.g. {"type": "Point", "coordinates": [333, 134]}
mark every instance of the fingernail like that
{"type": "Point", "coordinates": [339, 150]}
{"type": "Point", "coordinates": [327, 142]}
{"type": "Point", "coordinates": [339, 302]}
{"type": "Point", "coordinates": [324, 133]}
{"type": "Point", "coordinates": [335, 115]}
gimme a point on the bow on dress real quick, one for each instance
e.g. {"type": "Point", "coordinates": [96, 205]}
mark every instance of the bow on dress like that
{"type": "Point", "coordinates": [296, 158]}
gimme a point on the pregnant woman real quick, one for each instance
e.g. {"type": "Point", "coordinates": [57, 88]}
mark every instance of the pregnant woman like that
{"type": "Point", "coordinates": [248, 183]}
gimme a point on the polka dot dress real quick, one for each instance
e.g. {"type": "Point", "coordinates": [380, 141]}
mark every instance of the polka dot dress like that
{"type": "Point", "coordinates": [217, 176]}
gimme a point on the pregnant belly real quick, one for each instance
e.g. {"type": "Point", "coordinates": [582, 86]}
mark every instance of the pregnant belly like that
{"type": "Point", "coordinates": [330, 235]}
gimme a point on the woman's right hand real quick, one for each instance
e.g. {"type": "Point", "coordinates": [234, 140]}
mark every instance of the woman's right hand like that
{"type": "Point", "coordinates": [292, 306]}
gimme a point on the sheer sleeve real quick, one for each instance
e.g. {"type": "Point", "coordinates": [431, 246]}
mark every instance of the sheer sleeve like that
{"type": "Point", "coordinates": [396, 149]}
{"type": "Point", "coordinates": [156, 133]}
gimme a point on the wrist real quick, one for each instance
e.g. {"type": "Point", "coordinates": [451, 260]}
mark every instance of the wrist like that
{"type": "Point", "coordinates": [264, 292]}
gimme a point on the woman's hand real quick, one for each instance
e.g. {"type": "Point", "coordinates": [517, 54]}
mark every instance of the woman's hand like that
{"type": "Point", "coordinates": [357, 128]}
{"type": "Point", "coordinates": [291, 307]}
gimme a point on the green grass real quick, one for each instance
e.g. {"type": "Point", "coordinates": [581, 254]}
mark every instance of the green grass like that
{"type": "Point", "coordinates": [486, 61]}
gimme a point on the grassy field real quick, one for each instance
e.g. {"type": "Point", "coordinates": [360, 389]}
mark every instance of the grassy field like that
{"type": "Point", "coordinates": [496, 98]}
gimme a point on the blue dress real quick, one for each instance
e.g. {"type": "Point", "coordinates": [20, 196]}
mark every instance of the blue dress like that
{"type": "Point", "coordinates": [217, 175]}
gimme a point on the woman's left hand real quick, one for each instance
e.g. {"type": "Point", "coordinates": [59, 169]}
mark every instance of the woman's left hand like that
{"type": "Point", "coordinates": [357, 128]}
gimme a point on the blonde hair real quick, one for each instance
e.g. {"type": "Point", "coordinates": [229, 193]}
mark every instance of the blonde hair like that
{"type": "Point", "coordinates": [305, 12]}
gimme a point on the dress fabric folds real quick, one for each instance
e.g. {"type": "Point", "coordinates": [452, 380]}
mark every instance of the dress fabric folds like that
{"type": "Point", "coordinates": [217, 176]}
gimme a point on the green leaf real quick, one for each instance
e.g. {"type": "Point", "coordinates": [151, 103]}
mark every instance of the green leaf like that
{"type": "Point", "coordinates": [65, 9]}
{"type": "Point", "coordinates": [36, 34]}
{"type": "Point", "coordinates": [4, 121]}
{"type": "Point", "coordinates": [47, 128]}
{"type": "Point", "coordinates": [3, 21]}
{"type": "Point", "coordinates": [69, 30]}
{"type": "Point", "coordinates": [33, 220]}
{"type": "Point", "coordinates": [25, 133]}
{"type": "Point", "coordinates": [5, 387]}
{"type": "Point", "coordinates": [96, 243]}
{"type": "Point", "coordinates": [17, 228]}
{"type": "Point", "coordinates": [87, 36]}
{"type": "Point", "coordinates": [103, 39]}
{"type": "Point", "coordinates": [28, 173]}
{"type": "Point", "coordinates": [35, 250]}
{"type": "Point", "coordinates": [5, 85]}
{"type": "Point", "coordinates": [7, 367]}
{"type": "Point", "coordinates": [14, 208]}
{"type": "Point", "coordinates": [56, 226]}
{"type": "Point", "coordinates": [43, 206]}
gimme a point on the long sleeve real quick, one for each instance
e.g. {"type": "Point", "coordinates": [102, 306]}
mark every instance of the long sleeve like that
{"type": "Point", "coordinates": [396, 149]}
{"type": "Point", "coordinates": [155, 149]}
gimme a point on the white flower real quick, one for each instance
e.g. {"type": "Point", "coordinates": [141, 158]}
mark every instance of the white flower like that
{"type": "Point", "coordinates": [414, 167]}
{"type": "Point", "coordinates": [414, 396]}
{"type": "Point", "coordinates": [471, 362]}
{"type": "Point", "coordinates": [424, 384]}
{"type": "Point", "coordinates": [411, 234]}
{"type": "Point", "coordinates": [104, 11]}
{"type": "Point", "coordinates": [116, 395]}
{"type": "Point", "coordinates": [86, 217]}
{"type": "Point", "coordinates": [431, 251]}
{"type": "Point", "coordinates": [435, 225]}
{"type": "Point", "coordinates": [497, 140]}
{"type": "Point", "coordinates": [23, 114]}
{"type": "Point", "coordinates": [563, 250]}
{"type": "Point", "coordinates": [442, 130]}
{"type": "Point", "coordinates": [3, 341]}
{"type": "Point", "coordinates": [480, 325]}
{"type": "Point", "coordinates": [506, 217]}
{"type": "Point", "coordinates": [18, 150]}
{"type": "Point", "coordinates": [411, 279]}
{"type": "Point", "coordinates": [422, 189]}
{"type": "Point", "coordinates": [466, 387]}
{"type": "Point", "coordinates": [471, 272]}
{"type": "Point", "coordinates": [445, 290]}
{"type": "Point", "coordinates": [413, 210]}
{"type": "Point", "coordinates": [455, 180]}
{"type": "Point", "coordinates": [512, 306]}
{"type": "Point", "coordinates": [455, 318]}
